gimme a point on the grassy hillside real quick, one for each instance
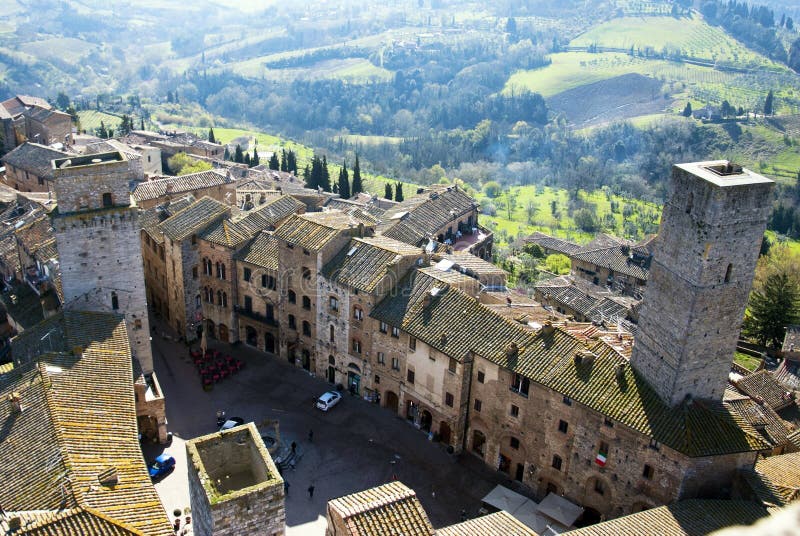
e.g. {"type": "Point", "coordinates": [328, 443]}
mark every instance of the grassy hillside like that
{"type": "Point", "coordinates": [691, 36]}
{"type": "Point", "coordinates": [90, 120]}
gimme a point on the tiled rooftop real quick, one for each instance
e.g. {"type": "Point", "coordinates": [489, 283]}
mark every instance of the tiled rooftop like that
{"type": "Point", "coordinates": [150, 218]}
{"type": "Point", "coordinates": [69, 433]}
{"type": "Point", "coordinates": [775, 480]}
{"type": "Point", "coordinates": [34, 158]}
{"type": "Point", "coordinates": [390, 509]}
{"type": "Point", "coordinates": [261, 251]}
{"type": "Point", "coordinates": [695, 517]}
{"type": "Point", "coordinates": [456, 324]}
{"type": "Point", "coordinates": [413, 219]}
{"type": "Point", "coordinates": [315, 229]}
{"type": "Point", "coordinates": [365, 262]}
{"type": "Point", "coordinates": [762, 385]}
{"type": "Point", "coordinates": [193, 218]}
{"type": "Point", "coordinates": [176, 185]}
{"type": "Point", "coordinates": [791, 342]}
{"type": "Point", "coordinates": [71, 522]}
{"type": "Point", "coordinates": [497, 524]}
{"type": "Point", "coordinates": [552, 243]}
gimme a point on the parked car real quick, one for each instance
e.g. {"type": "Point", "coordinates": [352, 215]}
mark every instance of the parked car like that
{"type": "Point", "coordinates": [328, 400]}
{"type": "Point", "coordinates": [161, 467]}
{"type": "Point", "coordinates": [231, 423]}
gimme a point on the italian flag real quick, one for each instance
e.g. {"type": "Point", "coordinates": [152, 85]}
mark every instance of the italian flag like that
{"type": "Point", "coordinates": [600, 459]}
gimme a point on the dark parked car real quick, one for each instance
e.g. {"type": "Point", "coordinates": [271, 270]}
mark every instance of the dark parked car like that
{"type": "Point", "coordinates": [161, 467]}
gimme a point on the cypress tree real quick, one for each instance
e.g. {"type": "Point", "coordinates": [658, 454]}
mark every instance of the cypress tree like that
{"type": "Point", "coordinates": [227, 155]}
{"type": "Point", "coordinates": [769, 103]}
{"type": "Point", "coordinates": [211, 137]}
{"type": "Point", "coordinates": [357, 187]}
{"type": "Point", "coordinates": [247, 159]}
{"type": "Point", "coordinates": [255, 160]}
{"type": "Point", "coordinates": [284, 161]}
{"type": "Point", "coordinates": [291, 162]}
{"type": "Point", "coordinates": [687, 111]}
{"type": "Point", "coordinates": [142, 125]}
{"type": "Point", "coordinates": [273, 162]}
{"type": "Point", "coordinates": [307, 176]}
{"type": "Point", "coordinates": [387, 191]}
{"type": "Point", "coordinates": [398, 192]}
{"type": "Point", "coordinates": [325, 177]}
{"type": "Point", "coordinates": [238, 156]}
{"type": "Point", "coordinates": [344, 182]}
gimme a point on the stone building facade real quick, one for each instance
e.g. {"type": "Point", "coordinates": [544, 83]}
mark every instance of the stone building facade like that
{"type": "Point", "coordinates": [28, 167]}
{"type": "Point", "coordinates": [234, 486]}
{"type": "Point", "coordinates": [183, 263]}
{"type": "Point", "coordinates": [98, 239]}
{"type": "Point", "coordinates": [306, 243]}
{"type": "Point", "coordinates": [257, 297]}
{"type": "Point", "coordinates": [359, 276]}
{"type": "Point", "coordinates": [706, 252]}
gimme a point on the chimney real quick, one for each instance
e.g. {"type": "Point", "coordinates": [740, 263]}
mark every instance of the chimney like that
{"type": "Point", "coordinates": [16, 402]}
{"type": "Point", "coordinates": [15, 524]}
{"type": "Point", "coordinates": [512, 350]}
{"type": "Point", "coordinates": [620, 371]}
{"type": "Point", "coordinates": [108, 477]}
{"type": "Point", "coordinates": [547, 328]}
{"type": "Point", "coordinates": [443, 339]}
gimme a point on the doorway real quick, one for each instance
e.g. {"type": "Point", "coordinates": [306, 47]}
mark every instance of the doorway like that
{"type": "Point", "coordinates": [426, 420]}
{"type": "Point", "coordinates": [269, 343]}
{"type": "Point", "coordinates": [306, 360]}
{"type": "Point", "coordinates": [444, 432]}
{"type": "Point", "coordinates": [223, 333]}
{"type": "Point", "coordinates": [353, 382]}
{"type": "Point", "coordinates": [251, 336]}
{"type": "Point", "coordinates": [392, 401]}
{"type": "Point", "coordinates": [520, 472]}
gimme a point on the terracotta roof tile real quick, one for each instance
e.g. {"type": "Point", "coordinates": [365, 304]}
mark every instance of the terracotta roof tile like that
{"type": "Point", "coordinates": [69, 432]}
{"type": "Point", "coordinates": [34, 158]}
{"type": "Point", "coordinates": [313, 230]}
{"type": "Point", "coordinates": [694, 517]}
{"type": "Point", "coordinates": [262, 251]}
{"type": "Point", "coordinates": [365, 262]}
{"type": "Point", "coordinates": [413, 219]}
{"type": "Point", "coordinates": [176, 185]}
{"type": "Point", "coordinates": [193, 219]}
{"type": "Point", "coordinates": [776, 479]}
{"type": "Point", "coordinates": [72, 522]}
{"type": "Point", "coordinates": [150, 218]}
{"type": "Point", "coordinates": [762, 385]}
{"type": "Point", "coordinates": [552, 243]}
{"type": "Point", "coordinates": [497, 524]}
{"type": "Point", "coordinates": [390, 509]}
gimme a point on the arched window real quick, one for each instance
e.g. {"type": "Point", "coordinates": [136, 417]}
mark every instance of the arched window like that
{"type": "Point", "coordinates": [114, 301]}
{"type": "Point", "coordinates": [728, 273]}
{"type": "Point", "coordinates": [358, 313]}
{"type": "Point", "coordinates": [292, 296]}
{"type": "Point", "coordinates": [218, 271]}
{"type": "Point", "coordinates": [306, 302]}
{"type": "Point", "coordinates": [306, 273]}
{"type": "Point", "coordinates": [197, 302]}
{"type": "Point", "coordinates": [306, 328]}
{"type": "Point", "coordinates": [333, 337]}
{"type": "Point", "coordinates": [222, 273]}
{"type": "Point", "coordinates": [107, 200]}
{"type": "Point", "coordinates": [219, 297]}
{"type": "Point", "coordinates": [224, 299]}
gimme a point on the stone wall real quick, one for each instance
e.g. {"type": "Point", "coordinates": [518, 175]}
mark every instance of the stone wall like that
{"type": "Point", "coordinates": [261, 297]}
{"type": "Point", "coordinates": [81, 183]}
{"type": "Point", "coordinates": [101, 262]}
{"type": "Point", "coordinates": [700, 278]}
{"type": "Point", "coordinates": [219, 310]}
{"type": "Point", "coordinates": [234, 486]}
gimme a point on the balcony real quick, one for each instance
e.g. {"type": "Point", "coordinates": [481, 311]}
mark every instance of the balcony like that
{"type": "Point", "coordinates": [249, 313]}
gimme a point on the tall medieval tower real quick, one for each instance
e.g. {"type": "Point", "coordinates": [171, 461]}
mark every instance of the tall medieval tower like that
{"type": "Point", "coordinates": [700, 277]}
{"type": "Point", "coordinates": [97, 235]}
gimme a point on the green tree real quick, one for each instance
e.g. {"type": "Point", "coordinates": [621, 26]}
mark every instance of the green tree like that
{"type": "Point", "coordinates": [183, 164]}
{"type": "Point", "coordinates": [343, 184]}
{"type": "Point", "coordinates": [530, 210]}
{"type": "Point", "coordinates": [769, 104]}
{"type": "Point", "coordinates": [557, 264]}
{"type": "Point", "coordinates": [255, 160]}
{"type": "Point", "coordinates": [325, 177]}
{"type": "Point", "coordinates": [238, 155]}
{"type": "Point", "coordinates": [141, 125]}
{"type": "Point", "coordinates": [687, 111]}
{"type": "Point", "coordinates": [586, 220]}
{"type": "Point", "coordinates": [398, 192]}
{"type": "Point", "coordinates": [273, 162]}
{"type": "Point", "coordinates": [62, 100]}
{"type": "Point", "coordinates": [307, 175]}
{"type": "Point", "coordinates": [126, 125]}
{"type": "Point", "coordinates": [357, 187]}
{"type": "Point", "coordinates": [227, 155]}
{"type": "Point", "coordinates": [211, 137]}
{"type": "Point", "coordinates": [247, 160]}
{"type": "Point", "coordinates": [387, 191]}
{"type": "Point", "coordinates": [291, 162]}
{"type": "Point", "coordinates": [284, 161]}
{"type": "Point", "coordinates": [492, 189]}
{"type": "Point", "coordinates": [771, 309]}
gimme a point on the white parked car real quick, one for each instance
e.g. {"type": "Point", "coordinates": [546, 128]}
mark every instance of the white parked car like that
{"type": "Point", "coordinates": [328, 400]}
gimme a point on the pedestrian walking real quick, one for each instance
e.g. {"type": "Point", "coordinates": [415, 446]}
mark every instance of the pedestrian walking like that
{"type": "Point", "coordinates": [311, 491]}
{"type": "Point", "coordinates": [286, 487]}
{"type": "Point", "coordinates": [311, 436]}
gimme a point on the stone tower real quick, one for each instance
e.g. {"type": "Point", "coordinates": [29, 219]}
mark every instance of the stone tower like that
{"type": "Point", "coordinates": [705, 255]}
{"type": "Point", "coordinates": [97, 236]}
